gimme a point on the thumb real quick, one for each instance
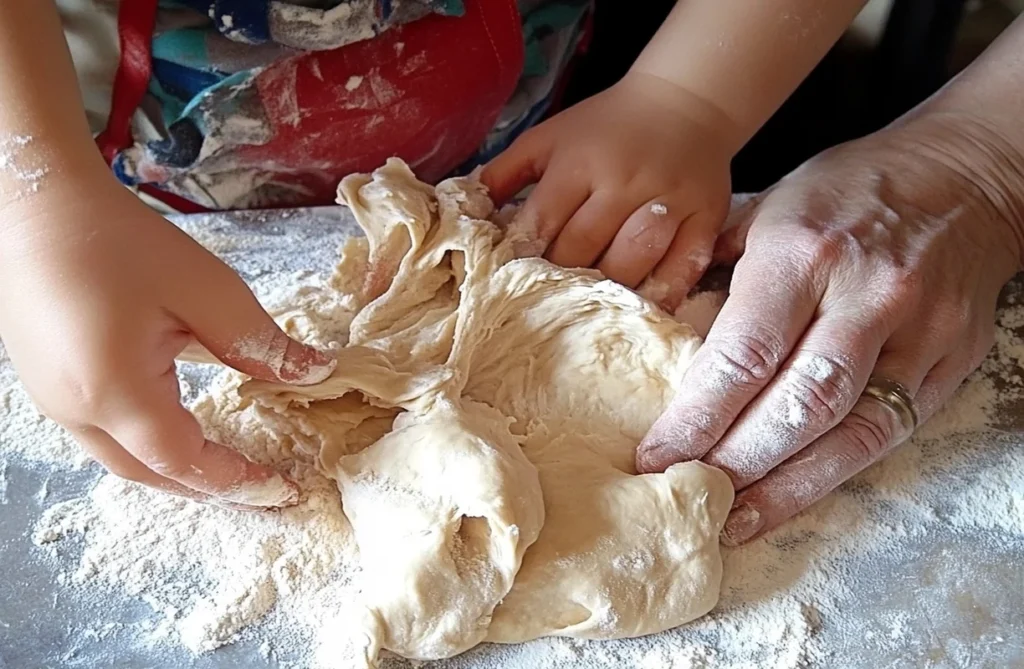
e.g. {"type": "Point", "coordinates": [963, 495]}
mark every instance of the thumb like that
{"type": "Point", "coordinates": [224, 317]}
{"type": "Point", "coordinates": [732, 240]}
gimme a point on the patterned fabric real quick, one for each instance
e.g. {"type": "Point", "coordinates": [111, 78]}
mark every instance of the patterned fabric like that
{"type": "Point", "coordinates": [229, 84]}
{"type": "Point", "coordinates": [552, 33]}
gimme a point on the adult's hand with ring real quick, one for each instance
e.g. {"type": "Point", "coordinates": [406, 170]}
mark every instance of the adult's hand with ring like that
{"type": "Point", "coordinates": [878, 260]}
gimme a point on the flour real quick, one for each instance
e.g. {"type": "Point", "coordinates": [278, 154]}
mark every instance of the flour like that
{"type": "Point", "coordinates": [28, 172]}
{"type": "Point", "coordinates": [273, 352]}
{"type": "Point", "coordinates": [287, 578]}
{"type": "Point", "coordinates": [208, 573]}
{"type": "Point", "coordinates": [318, 30]}
{"type": "Point", "coordinates": [27, 434]}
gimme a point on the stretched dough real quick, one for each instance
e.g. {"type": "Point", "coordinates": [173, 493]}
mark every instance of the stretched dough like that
{"type": "Point", "coordinates": [481, 427]}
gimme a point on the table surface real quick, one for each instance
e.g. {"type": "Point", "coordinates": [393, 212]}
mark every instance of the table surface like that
{"type": "Point", "coordinates": [964, 612]}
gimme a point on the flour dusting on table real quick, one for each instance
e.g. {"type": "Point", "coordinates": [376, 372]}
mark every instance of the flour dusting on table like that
{"type": "Point", "coordinates": [212, 575]}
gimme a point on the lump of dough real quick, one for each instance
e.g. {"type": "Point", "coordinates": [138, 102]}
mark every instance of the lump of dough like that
{"type": "Point", "coordinates": [619, 555]}
{"type": "Point", "coordinates": [443, 509]}
{"type": "Point", "coordinates": [586, 366]}
{"type": "Point", "coordinates": [518, 393]}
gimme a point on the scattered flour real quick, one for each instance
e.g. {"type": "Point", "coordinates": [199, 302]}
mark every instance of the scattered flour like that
{"type": "Point", "coordinates": [211, 575]}
{"type": "Point", "coordinates": [315, 29]}
{"type": "Point", "coordinates": [13, 164]}
{"type": "Point", "coordinates": [27, 434]}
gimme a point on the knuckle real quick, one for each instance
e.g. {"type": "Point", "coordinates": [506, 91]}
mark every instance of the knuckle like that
{"type": "Point", "coordinates": [749, 359]}
{"type": "Point", "coordinates": [827, 247]}
{"type": "Point", "coordinates": [689, 430]}
{"type": "Point", "coordinates": [170, 467]}
{"type": "Point", "coordinates": [867, 439]}
{"type": "Point", "coordinates": [954, 317]}
{"type": "Point", "coordinates": [900, 292]}
{"type": "Point", "coordinates": [588, 237]}
{"type": "Point", "coordinates": [809, 409]}
{"type": "Point", "coordinates": [907, 285]}
{"type": "Point", "coordinates": [822, 388]}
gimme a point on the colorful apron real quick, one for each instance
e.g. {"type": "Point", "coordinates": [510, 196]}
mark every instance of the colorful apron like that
{"type": "Point", "coordinates": [259, 103]}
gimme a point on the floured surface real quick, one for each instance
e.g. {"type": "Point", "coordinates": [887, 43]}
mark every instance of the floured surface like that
{"type": "Point", "coordinates": [919, 560]}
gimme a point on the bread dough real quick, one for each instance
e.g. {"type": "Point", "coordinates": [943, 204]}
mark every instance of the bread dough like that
{"type": "Point", "coordinates": [481, 426]}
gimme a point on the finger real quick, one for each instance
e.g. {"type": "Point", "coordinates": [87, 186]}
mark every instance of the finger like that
{"type": "Point", "coordinates": [733, 239]}
{"type": "Point", "coordinates": [861, 438]}
{"type": "Point", "coordinates": [224, 316]}
{"type": "Point", "coordinates": [119, 462]}
{"type": "Point", "coordinates": [869, 432]}
{"type": "Point", "coordinates": [685, 262]}
{"type": "Point", "coordinates": [156, 430]}
{"type": "Point", "coordinates": [520, 165]}
{"type": "Point", "coordinates": [752, 336]}
{"type": "Point", "coordinates": [122, 464]}
{"type": "Point", "coordinates": [546, 211]}
{"type": "Point", "coordinates": [948, 375]}
{"type": "Point", "coordinates": [816, 387]}
{"type": "Point", "coordinates": [642, 241]}
{"type": "Point", "coordinates": [590, 230]}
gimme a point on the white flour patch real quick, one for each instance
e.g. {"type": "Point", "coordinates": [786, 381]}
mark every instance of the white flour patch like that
{"type": "Point", "coordinates": [26, 434]}
{"type": "Point", "coordinates": [13, 163]}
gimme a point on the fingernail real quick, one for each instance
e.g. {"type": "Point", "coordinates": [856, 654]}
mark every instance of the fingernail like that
{"type": "Point", "coordinates": [305, 365]}
{"type": "Point", "coordinates": [649, 457]}
{"type": "Point", "coordinates": [274, 492]}
{"type": "Point", "coordinates": [744, 522]}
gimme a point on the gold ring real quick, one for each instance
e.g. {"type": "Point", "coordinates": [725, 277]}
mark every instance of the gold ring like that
{"type": "Point", "coordinates": [896, 397]}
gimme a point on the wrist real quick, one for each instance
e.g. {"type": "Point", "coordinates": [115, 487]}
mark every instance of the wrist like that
{"type": "Point", "coordinates": [50, 180]}
{"type": "Point", "coordinates": [654, 88]}
{"type": "Point", "coordinates": [35, 171]}
{"type": "Point", "coordinates": [989, 167]}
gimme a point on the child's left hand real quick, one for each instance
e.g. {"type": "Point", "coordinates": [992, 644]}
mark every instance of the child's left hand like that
{"type": "Point", "coordinates": [634, 181]}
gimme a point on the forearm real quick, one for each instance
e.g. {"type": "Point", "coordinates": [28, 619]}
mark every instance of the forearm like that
{"type": "Point", "coordinates": [44, 136]}
{"type": "Point", "coordinates": [745, 57]}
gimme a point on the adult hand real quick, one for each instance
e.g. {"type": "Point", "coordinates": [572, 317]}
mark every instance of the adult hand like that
{"type": "Point", "coordinates": [882, 258]}
{"type": "Point", "coordinates": [634, 181]}
{"type": "Point", "coordinates": [98, 294]}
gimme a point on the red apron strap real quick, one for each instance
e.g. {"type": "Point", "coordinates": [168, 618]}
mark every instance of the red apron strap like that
{"type": "Point", "coordinates": [136, 20]}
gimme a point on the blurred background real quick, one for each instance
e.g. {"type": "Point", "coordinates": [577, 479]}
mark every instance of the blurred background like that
{"type": "Point", "coordinates": [896, 54]}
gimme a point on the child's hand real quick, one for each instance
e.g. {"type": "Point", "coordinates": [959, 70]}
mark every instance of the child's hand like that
{"type": "Point", "coordinates": [98, 294]}
{"type": "Point", "coordinates": [634, 181]}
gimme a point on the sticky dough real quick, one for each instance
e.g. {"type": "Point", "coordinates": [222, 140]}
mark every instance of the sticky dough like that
{"type": "Point", "coordinates": [481, 426]}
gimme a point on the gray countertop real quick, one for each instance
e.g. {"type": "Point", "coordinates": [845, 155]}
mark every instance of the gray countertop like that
{"type": "Point", "coordinates": [959, 595]}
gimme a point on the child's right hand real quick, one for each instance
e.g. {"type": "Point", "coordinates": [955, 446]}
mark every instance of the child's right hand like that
{"type": "Point", "coordinates": [98, 294]}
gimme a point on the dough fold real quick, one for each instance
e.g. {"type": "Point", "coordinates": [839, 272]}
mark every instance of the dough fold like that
{"type": "Point", "coordinates": [481, 426]}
